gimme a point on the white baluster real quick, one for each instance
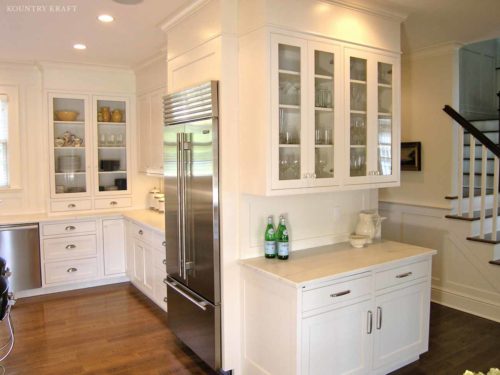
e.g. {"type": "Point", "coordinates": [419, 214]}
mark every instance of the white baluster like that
{"type": "Point", "coordinates": [472, 172]}
{"type": "Point", "coordinates": [495, 199]}
{"type": "Point", "coordinates": [482, 215]}
{"type": "Point", "coordinates": [460, 182]}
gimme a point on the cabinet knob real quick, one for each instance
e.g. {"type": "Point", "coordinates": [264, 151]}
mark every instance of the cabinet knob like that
{"type": "Point", "coordinates": [165, 299]}
{"type": "Point", "coordinates": [314, 175]}
{"type": "Point", "coordinates": [69, 228]}
{"type": "Point", "coordinates": [71, 270]}
{"type": "Point", "coordinates": [141, 232]}
{"type": "Point", "coordinates": [113, 203]}
{"type": "Point", "coordinates": [164, 244]}
{"type": "Point", "coordinates": [70, 246]}
{"type": "Point", "coordinates": [164, 262]}
{"type": "Point", "coordinates": [71, 205]}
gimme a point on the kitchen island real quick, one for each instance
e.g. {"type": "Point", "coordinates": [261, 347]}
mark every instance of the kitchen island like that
{"type": "Point", "coordinates": [336, 310]}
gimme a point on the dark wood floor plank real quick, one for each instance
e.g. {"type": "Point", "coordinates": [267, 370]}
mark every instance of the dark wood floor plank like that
{"type": "Point", "coordinates": [105, 330]}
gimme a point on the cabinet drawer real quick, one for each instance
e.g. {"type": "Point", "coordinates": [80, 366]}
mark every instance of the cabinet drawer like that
{"type": "Point", "coordinates": [61, 206]}
{"type": "Point", "coordinates": [69, 227]}
{"type": "Point", "coordinates": [335, 293]}
{"type": "Point", "coordinates": [158, 241]}
{"type": "Point", "coordinates": [113, 203]}
{"type": "Point", "coordinates": [400, 275]}
{"type": "Point", "coordinates": [70, 271]}
{"type": "Point", "coordinates": [70, 247]}
{"type": "Point", "coordinates": [141, 233]}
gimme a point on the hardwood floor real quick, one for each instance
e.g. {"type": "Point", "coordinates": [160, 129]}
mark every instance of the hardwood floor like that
{"type": "Point", "coordinates": [117, 330]}
{"type": "Point", "coordinates": [457, 342]}
{"type": "Point", "coordinates": [105, 330]}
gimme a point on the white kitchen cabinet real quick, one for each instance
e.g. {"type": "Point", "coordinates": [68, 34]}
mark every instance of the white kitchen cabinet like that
{"type": "Point", "coordinates": [150, 132]}
{"type": "Point", "coordinates": [113, 240]}
{"type": "Point", "coordinates": [371, 322]}
{"type": "Point", "coordinates": [372, 109]}
{"type": "Point", "coordinates": [143, 266]}
{"type": "Point", "coordinates": [89, 155]}
{"type": "Point", "coordinates": [317, 125]}
{"type": "Point", "coordinates": [337, 341]}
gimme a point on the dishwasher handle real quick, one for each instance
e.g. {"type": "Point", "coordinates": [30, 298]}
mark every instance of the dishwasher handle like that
{"type": "Point", "coordinates": [18, 226]}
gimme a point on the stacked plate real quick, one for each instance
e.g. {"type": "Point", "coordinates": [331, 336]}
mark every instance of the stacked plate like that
{"type": "Point", "coordinates": [69, 163]}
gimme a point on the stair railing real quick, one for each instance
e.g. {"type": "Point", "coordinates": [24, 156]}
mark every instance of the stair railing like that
{"type": "Point", "coordinates": [486, 145]}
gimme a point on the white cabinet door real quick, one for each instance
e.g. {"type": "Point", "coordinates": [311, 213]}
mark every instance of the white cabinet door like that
{"type": "Point", "coordinates": [130, 251]}
{"type": "Point", "coordinates": [148, 269]}
{"type": "Point", "coordinates": [372, 108]}
{"type": "Point", "coordinates": [113, 231]}
{"type": "Point", "coordinates": [338, 341]}
{"type": "Point", "coordinates": [156, 130]}
{"type": "Point", "coordinates": [401, 324]}
{"type": "Point", "coordinates": [143, 131]}
{"type": "Point", "coordinates": [139, 250]}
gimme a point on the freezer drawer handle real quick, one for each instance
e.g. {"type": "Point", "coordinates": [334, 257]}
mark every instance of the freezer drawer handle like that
{"type": "Point", "coordinates": [173, 285]}
{"type": "Point", "coordinates": [70, 227]}
{"type": "Point", "coordinates": [71, 270]}
{"type": "Point", "coordinates": [70, 246]}
{"type": "Point", "coordinates": [406, 274]}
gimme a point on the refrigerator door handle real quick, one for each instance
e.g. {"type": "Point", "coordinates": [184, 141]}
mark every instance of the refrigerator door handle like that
{"type": "Point", "coordinates": [173, 285]}
{"type": "Point", "coordinates": [179, 200]}
{"type": "Point", "coordinates": [184, 227]}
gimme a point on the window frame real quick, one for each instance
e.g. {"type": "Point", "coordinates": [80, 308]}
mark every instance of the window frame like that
{"type": "Point", "coordinates": [13, 140]}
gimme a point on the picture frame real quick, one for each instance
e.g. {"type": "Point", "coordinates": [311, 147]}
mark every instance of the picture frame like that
{"type": "Point", "coordinates": [411, 156]}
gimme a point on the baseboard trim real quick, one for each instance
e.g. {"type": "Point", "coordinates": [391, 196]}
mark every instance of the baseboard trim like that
{"type": "Point", "coordinates": [465, 304]}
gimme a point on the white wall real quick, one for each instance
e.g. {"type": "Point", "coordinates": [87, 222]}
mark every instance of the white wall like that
{"type": "Point", "coordinates": [429, 81]}
{"type": "Point", "coordinates": [30, 198]}
{"type": "Point", "coordinates": [151, 75]}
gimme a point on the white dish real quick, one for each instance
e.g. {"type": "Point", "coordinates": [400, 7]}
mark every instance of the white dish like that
{"type": "Point", "coordinates": [358, 240]}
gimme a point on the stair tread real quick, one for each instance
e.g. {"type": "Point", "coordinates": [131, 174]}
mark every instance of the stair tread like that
{"type": "Point", "coordinates": [495, 262]}
{"type": "Point", "coordinates": [476, 215]}
{"type": "Point", "coordinates": [486, 239]}
{"type": "Point", "coordinates": [465, 193]}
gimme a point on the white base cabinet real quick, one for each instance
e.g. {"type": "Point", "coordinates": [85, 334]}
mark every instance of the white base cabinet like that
{"type": "Point", "coordinates": [365, 323]}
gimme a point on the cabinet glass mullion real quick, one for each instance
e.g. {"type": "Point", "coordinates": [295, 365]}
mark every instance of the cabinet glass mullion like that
{"type": "Point", "coordinates": [358, 130]}
{"type": "Point", "coordinates": [289, 113]}
{"type": "Point", "coordinates": [324, 114]}
{"type": "Point", "coordinates": [69, 145]}
{"type": "Point", "coordinates": [384, 119]}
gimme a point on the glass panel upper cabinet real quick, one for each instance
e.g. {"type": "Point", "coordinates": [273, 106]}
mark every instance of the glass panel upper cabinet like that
{"type": "Point", "coordinates": [385, 118]}
{"type": "Point", "coordinates": [323, 114]}
{"type": "Point", "coordinates": [358, 117]}
{"type": "Point", "coordinates": [112, 145]}
{"type": "Point", "coordinates": [289, 112]}
{"type": "Point", "coordinates": [70, 140]}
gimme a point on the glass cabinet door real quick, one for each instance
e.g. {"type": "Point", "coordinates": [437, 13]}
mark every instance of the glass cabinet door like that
{"type": "Point", "coordinates": [69, 133]}
{"type": "Point", "coordinates": [288, 109]}
{"type": "Point", "coordinates": [111, 139]}
{"type": "Point", "coordinates": [358, 116]}
{"type": "Point", "coordinates": [384, 119]}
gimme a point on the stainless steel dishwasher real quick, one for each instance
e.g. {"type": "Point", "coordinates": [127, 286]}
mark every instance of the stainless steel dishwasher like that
{"type": "Point", "coordinates": [20, 247]}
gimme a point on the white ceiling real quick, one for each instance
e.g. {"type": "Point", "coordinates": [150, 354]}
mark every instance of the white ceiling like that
{"type": "Point", "coordinates": [45, 34]}
{"type": "Point", "coordinates": [28, 34]}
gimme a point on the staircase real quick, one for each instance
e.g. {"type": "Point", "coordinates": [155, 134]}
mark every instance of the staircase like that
{"type": "Point", "coordinates": [478, 177]}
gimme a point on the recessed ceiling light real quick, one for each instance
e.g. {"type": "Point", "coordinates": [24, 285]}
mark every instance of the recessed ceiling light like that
{"type": "Point", "coordinates": [105, 18]}
{"type": "Point", "coordinates": [128, 2]}
{"type": "Point", "coordinates": [79, 46]}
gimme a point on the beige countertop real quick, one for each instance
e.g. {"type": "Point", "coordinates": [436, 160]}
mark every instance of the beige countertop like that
{"type": "Point", "coordinates": [334, 261]}
{"type": "Point", "coordinates": [154, 220]}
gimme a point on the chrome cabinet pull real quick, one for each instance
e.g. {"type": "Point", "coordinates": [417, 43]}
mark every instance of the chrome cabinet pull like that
{"type": "Point", "coordinates": [70, 246]}
{"type": "Point", "coordinates": [71, 205]}
{"type": "Point", "coordinates": [340, 294]}
{"type": "Point", "coordinates": [141, 232]}
{"type": "Point", "coordinates": [406, 274]}
{"type": "Point", "coordinates": [71, 270]}
{"type": "Point", "coordinates": [113, 203]}
{"type": "Point", "coordinates": [369, 322]}
{"type": "Point", "coordinates": [379, 317]}
{"type": "Point", "coordinates": [69, 228]}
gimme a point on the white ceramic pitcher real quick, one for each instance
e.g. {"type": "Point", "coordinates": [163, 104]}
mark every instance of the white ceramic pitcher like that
{"type": "Point", "coordinates": [368, 223]}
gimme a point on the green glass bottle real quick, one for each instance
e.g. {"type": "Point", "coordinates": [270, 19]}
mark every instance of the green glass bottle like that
{"type": "Point", "coordinates": [282, 240]}
{"type": "Point", "coordinates": [270, 239]}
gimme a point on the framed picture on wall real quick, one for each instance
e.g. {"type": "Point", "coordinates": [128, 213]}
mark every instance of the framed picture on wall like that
{"type": "Point", "coordinates": [411, 156]}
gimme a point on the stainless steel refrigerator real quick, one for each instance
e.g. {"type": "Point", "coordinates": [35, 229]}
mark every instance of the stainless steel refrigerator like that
{"type": "Point", "coordinates": [190, 142]}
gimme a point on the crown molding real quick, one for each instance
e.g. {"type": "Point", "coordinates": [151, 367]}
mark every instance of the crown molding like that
{"type": "Point", "coordinates": [369, 9]}
{"type": "Point", "coordinates": [439, 49]}
{"type": "Point", "coordinates": [182, 14]}
{"type": "Point", "coordinates": [44, 64]}
{"type": "Point", "coordinates": [162, 55]}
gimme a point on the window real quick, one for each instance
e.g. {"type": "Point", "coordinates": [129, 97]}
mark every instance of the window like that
{"type": "Point", "coordinates": [10, 171]}
{"type": "Point", "coordinates": [4, 139]}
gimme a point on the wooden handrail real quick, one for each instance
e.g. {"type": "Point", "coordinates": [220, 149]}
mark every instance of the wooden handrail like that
{"type": "Point", "coordinates": [488, 143]}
